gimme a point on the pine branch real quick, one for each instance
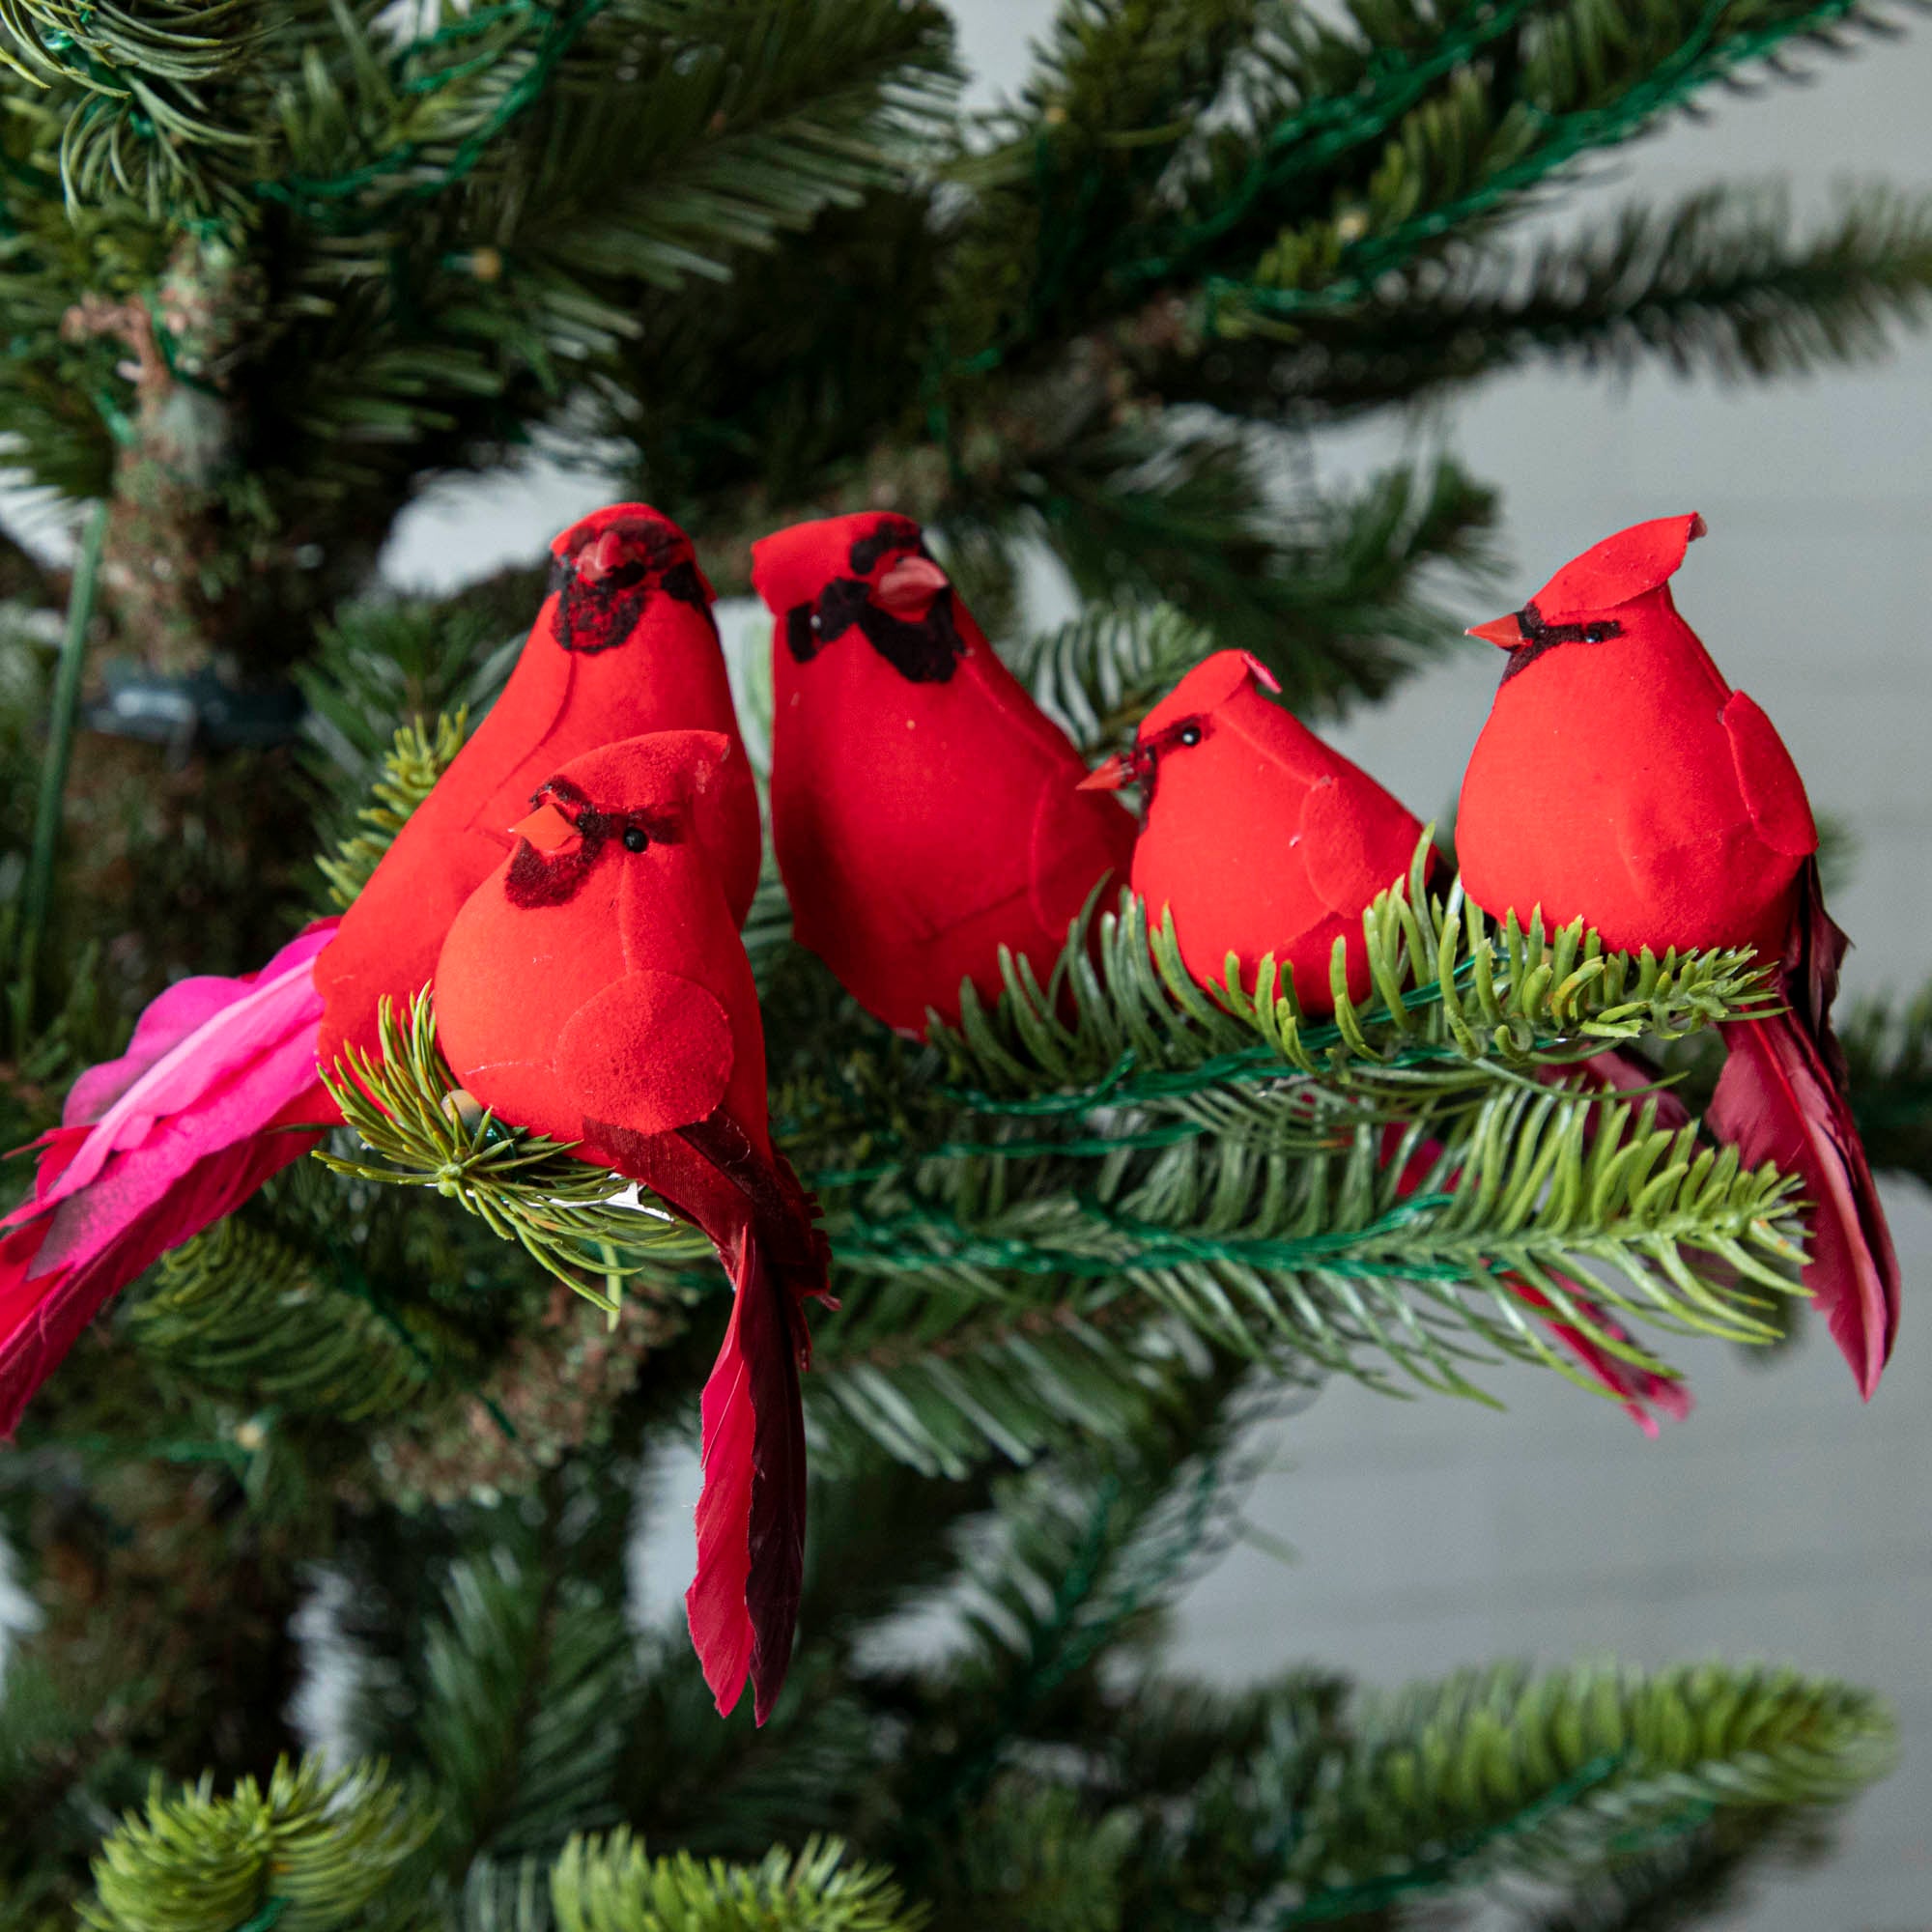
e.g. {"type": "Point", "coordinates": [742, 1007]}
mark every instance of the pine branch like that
{"type": "Point", "coordinates": [406, 1109]}
{"type": "Point", "coordinates": [1453, 994]}
{"type": "Point", "coordinates": [610, 1885]}
{"type": "Point", "coordinates": [737, 124]}
{"type": "Point", "coordinates": [1718, 284]}
{"type": "Point", "coordinates": [237, 1308]}
{"type": "Point", "coordinates": [1081, 1556]}
{"type": "Point", "coordinates": [1162, 1159]}
{"type": "Point", "coordinates": [317, 1848]}
{"type": "Point", "coordinates": [1032, 1854]}
{"type": "Point", "coordinates": [1497, 1773]}
{"type": "Point", "coordinates": [939, 1382]}
{"type": "Point", "coordinates": [1687, 1882]}
{"type": "Point", "coordinates": [1322, 1259]}
{"type": "Point", "coordinates": [530, 1682]}
{"type": "Point", "coordinates": [1592, 73]}
{"type": "Point", "coordinates": [1889, 1052]}
{"type": "Point", "coordinates": [409, 770]}
{"type": "Point", "coordinates": [1083, 153]}
{"type": "Point", "coordinates": [1100, 672]}
{"type": "Point", "coordinates": [1334, 599]}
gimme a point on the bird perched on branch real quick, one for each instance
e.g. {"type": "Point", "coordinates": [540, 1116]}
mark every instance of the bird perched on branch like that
{"type": "Point", "coordinates": [594, 989]}
{"type": "Point", "coordinates": [205, 1104]}
{"type": "Point", "coordinates": [1620, 781]}
{"type": "Point", "coordinates": [923, 807]}
{"type": "Point", "coordinates": [623, 644]}
{"type": "Point", "coordinates": [1258, 838]}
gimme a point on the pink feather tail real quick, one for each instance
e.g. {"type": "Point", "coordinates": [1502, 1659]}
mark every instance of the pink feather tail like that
{"type": "Point", "coordinates": [743, 1603]}
{"type": "Point", "coordinates": [1782, 1097]}
{"type": "Point", "coordinates": [154, 1146]}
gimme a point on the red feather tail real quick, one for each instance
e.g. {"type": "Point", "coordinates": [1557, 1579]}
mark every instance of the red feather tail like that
{"type": "Point", "coordinates": [1782, 1097]}
{"type": "Point", "coordinates": [743, 1603]}
{"type": "Point", "coordinates": [1777, 1101]}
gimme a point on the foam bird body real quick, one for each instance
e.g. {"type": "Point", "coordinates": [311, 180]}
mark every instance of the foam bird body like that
{"type": "Point", "coordinates": [624, 645]}
{"type": "Point", "coordinates": [923, 807]}
{"type": "Point", "coordinates": [1259, 838]}
{"type": "Point", "coordinates": [156, 1146]}
{"type": "Point", "coordinates": [594, 989]}
{"type": "Point", "coordinates": [1622, 781]}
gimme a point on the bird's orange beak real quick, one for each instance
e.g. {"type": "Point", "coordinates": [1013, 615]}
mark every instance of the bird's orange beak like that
{"type": "Point", "coordinates": [1504, 631]}
{"type": "Point", "coordinates": [547, 828]}
{"type": "Point", "coordinates": [909, 586]}
{"type": "Point", "coordinates": [1115, 775]}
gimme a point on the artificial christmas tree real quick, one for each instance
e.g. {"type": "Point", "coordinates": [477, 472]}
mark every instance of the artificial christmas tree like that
{"type": "Point", "coordinates": [272, 264]}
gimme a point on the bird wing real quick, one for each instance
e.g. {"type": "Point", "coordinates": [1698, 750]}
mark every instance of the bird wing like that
{"type": "Point", "coordinates": [1356, 840]}
{"type": "Point", "coordinates": [1773, 792]}
{"type": "Point", "coordinates": [651, 1052]}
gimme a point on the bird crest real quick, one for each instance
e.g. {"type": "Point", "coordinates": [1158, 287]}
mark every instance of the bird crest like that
{"type": "Point", "coordinates": [1618, 569]}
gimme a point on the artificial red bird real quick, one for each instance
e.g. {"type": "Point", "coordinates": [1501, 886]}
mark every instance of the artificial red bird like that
{"type": "Point", "coordinates": [625, 643]}
{"type": "Point", "coordinates": [924, 809]}
{"type": "Point", "coordinates": [156, 1146]}
{"type": "Point", "coordinates": [1620, 781]}
{"type": "Point", "coordinates": [1258, 838]}
{"type": "Point", "coordinates": [594, 989]}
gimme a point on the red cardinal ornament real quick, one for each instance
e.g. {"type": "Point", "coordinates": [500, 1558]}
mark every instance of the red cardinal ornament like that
{"type": "Point", "coordinates": [923, 807]}
{"type": "Point", "coordinates": [1622, 781]}
{"type": "Point", "coordinates": [624, 645]}
{"type": "Point", "coordinates": [1258, 838]}
{"type": "Point", "coordinates": [154, 1146]}
{"type": "Point", "coordinates": [594, 989]}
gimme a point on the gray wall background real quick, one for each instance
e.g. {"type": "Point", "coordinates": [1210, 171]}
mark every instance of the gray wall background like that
{"type": "Point", "coordinates": [1783, 1521]}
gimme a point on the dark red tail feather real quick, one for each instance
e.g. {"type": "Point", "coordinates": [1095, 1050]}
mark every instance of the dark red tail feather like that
{"type": "Point", "coordinates": [743, 1603]}
{"type": "Point", "coordinates": [1782, 1098]}
{"type": "Point", "coordinates": [1777, 1101]}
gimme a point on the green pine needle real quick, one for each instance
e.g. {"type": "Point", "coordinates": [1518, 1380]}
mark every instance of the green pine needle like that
{"type": "Point", "coordinates": [405, 1107]}
{"type": "Point", "coordinates": [1498, 1771]}
{"type": "Point", "coordinates": [312, 1849]}
{"type": "Point", "coordinates": [1457, 1000]}
{"type": "Point", "coordinates": [411, 768]}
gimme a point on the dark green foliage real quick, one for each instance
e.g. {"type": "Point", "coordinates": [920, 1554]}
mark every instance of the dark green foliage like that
{"type": "Point", "coordinates": [1888, 1047]}
{"type": "Point", "coordinates": [1718, 284]}
{"type": "Point", "coordinates": [1688, 1880]}
{"type": "Point", "coordinates": [237, 1308]}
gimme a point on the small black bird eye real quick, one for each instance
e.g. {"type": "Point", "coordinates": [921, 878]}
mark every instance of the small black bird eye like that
{"type": "Point", "coordinates": [635, 839]}
{"type": "Point", "coordinates": [1191, 734]}
{"type": "Point", "coordinates": [818, 622]}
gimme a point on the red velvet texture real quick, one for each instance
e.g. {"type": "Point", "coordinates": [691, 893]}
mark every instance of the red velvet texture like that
{"type": "Point", "coordinates": [1625, 782]}
{"type": "Point", "coordinates": [629, 600]}
{"type": "Point", "coordinates": [1622, 781]}
{"type": "Point", "coordinates": [924, 810]}
{"type": "Point", "coordinates": [594, 989]}
{"type": "Point", "coordinates": [1259, 838]}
